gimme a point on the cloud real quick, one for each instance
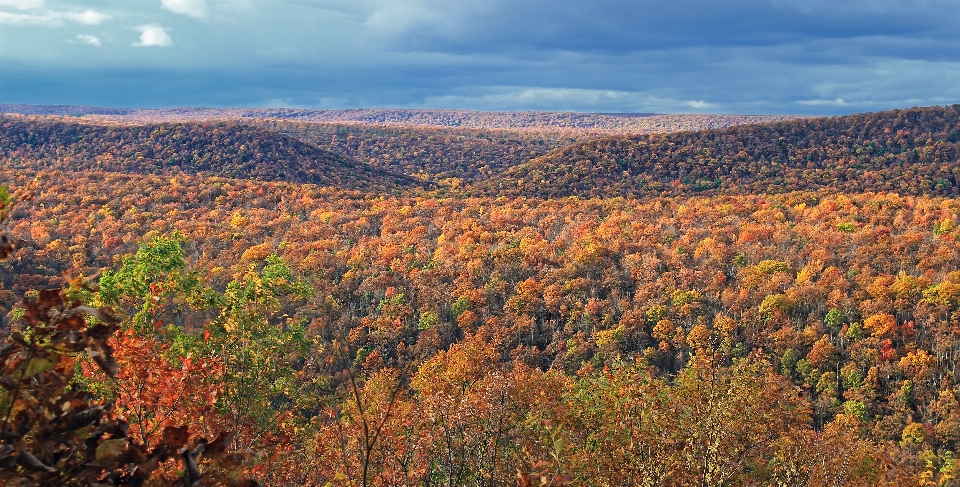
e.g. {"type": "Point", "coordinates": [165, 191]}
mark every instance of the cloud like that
{"type": "Point", "coordinates": [22, 4]}
{"type": "Point", "coordinates": [562, 99]}
{"type": "Point", "coordinates": [54, 18]}
{"type": "Point", "coordinates": [88, 39]}
{"type": "Point", "coordinates": [88, 17]}
{"type": "Point", "coordinates": [699, 104]}
{"type": "Point", "coordinates": [630, 25]}
{"type": "Point", "coordinates": [153, 35]}
{"type": "Point", "coordinates": [836, 102]}
{"type": "Point", "coordinates": [741, 56]}
{"type": "Point", "coordinates": [193, 8]}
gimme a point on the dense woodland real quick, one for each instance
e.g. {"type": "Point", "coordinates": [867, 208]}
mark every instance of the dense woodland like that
{"type": "Point", "coordinates": [791, 335]}
{"type": "Point", "coordinates": [222, 149]}
{"type": "Point", "coordinates": [907, 151]}
{"type": "Point", "coordinates": [537, 121]}
{"type": "Point", "coordinates": [451, 157]}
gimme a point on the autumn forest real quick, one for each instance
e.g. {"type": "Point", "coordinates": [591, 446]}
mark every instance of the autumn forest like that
{"type": "Point", "coordinates": [450, 298]}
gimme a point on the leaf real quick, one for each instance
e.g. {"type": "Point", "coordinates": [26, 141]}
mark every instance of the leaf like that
{"type": "Point", "coordinates": [111, 449]}
{"type": "Point", "coordinates": [49, 298]}
{"type": "Point", "coordinates": [7, 349]}
{"type": "Point", "coordinates": [233, 464]}
{"type": "Point", "coordinates": [30, 462]}
{"type": "Point", "coordinates": [6, 247]}
{"type": "Point", "coordinates": [175, 436]}
{"type": "Point", "coordinates": [84, 418]}
{"type": "Point", "coordinates": [37, 366]}
{"type": "Point", "coordinates": [218, 447]}
{"type": "Point", "coordinates": [102, 354]}
{"type": "Point", "coordinates": [6, 400]}
{"type": "Point", "coordinates": [69, 340]}
{"type": "Point", "coordinates": [105, 314]}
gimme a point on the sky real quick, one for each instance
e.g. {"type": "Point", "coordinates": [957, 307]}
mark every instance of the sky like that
{"type": "Point", "coordinates": [819, 57]}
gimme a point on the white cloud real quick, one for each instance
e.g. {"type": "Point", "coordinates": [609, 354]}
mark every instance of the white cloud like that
{"type": "Point", "coordinates": [563, 99]}
{"type": "Point", "coordinates": [53, 18]}
{"type": "Point", "coordinates": [88, 39]}
{"type": "Point", "coordinates": [838, 102]}
{"type": "Point", "coordinates": [153, 35]}
{"type": "Point", "coordinates": [88, 17]}
{"type": "Point", "coordinates": [193, 8]}
{"type": "Point", "coordinates": [22, 4]}
{"type": "Point", "coordinates": [699, 104]}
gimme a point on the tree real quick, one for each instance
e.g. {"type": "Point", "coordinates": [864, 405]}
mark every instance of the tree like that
{"type": "Point", "coordinates": [259, 351]}
{"type": "Point", "coordinates": [53, 433]}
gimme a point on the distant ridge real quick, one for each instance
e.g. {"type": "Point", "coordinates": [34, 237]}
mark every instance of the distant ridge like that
{"type": "Point", "coordinates": [914, 151]}
{"type": "Point", "coordinates": [225, 149]}
{"type": "Point", "coordinates": [63, 110]}
{"type": "Point", "coordinates": [610, 123]}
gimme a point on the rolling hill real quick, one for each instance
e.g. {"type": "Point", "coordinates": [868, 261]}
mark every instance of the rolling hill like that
{"type": "Point", "coordinates": [609, 123]}
{"type": "Point", "coordinates": [912, 151]}
{"type": "Point", "coordinates": [432, 153]}
{"type": "Point", "coordinates": [214, 149]}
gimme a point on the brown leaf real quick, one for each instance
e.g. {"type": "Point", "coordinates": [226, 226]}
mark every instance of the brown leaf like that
{"type": "Point", "coordinates": [134, 454]}
{"type": "Point", "coordinates": [71, 323]}
{"type": "Point", "coordinates": [175, 436]}
{"type": "Point", "coordinates": [101, 332]}
{"type": "Point", "coordinates": [234, 464]}
{"type": "Point", "coordinates": [69, 340]}
{"type": "Point", "coordinates": [102, 354]}
{"type": "Point", "coordinates": [111, 449]}
{"type": "Point", "coordinates": [6, 350]}
{"type": "Point", "coordinates": [30, 462]}
{"type": "Point", "coordinates": [216, 448]}
{"type": "Point", "coordinates": [523, 480]}
{"type": "Point", "coordinates": [83, 418]}
{"type": "Point", "coordinates": [105, 314]}
{"type": "Point", "coordinates": [49, 299]}
{"type": "Point", "coordinates": [6, 247]}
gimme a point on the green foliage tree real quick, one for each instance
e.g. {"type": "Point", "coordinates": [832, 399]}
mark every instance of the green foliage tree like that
{"type": "Point", "coordinates": [154, 284]}
{"type": "Point", "coordinates": [54, 433]}
{"type": "Point", "coordinates": [260, 350]}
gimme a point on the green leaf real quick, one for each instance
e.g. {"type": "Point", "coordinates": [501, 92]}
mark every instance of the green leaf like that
{"type": "Point", "coordinates": [6, 400]}
{"type": "Point", "coordinates": [38, 366]}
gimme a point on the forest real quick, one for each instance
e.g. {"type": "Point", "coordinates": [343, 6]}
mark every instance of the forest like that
{"type": "Point", "coordinates": [539, 121]}
{"type": "Point", "coordinates": [458, 323]}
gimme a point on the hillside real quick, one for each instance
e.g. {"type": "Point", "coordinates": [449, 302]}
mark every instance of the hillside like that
{"type": "Point", "coordinates": [911, 151]}
{"type": "Point", "coordinates": [845, 304]}
{"type": "Point", "coordinates": [214, 149]}
{"type": "Point", "coordinates": [537, 121]}
{"type": "Point", "coordinates": [793, 303]}
{"type": "Point", "coordinates": [431, 153]}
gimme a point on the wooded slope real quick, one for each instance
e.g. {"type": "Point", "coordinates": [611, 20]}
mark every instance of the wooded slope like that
{"type": "Point", "coordinates": [911, 151]}
{"type": "Point", "coordinates": [431, 153]}
{"type": "Point", "coordinates": [537, 121]}
{"type": "Point", "coordinates": [213, 149]}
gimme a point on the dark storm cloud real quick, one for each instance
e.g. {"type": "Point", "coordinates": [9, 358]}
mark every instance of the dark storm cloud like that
{"type": "Point", "coordinates": [783, 56]}
{"type": "Point", "coordinates": [624, 25]}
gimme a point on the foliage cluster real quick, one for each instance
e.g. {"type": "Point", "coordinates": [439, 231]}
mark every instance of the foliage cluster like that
{"type": "Point", "coordinates": [440, 155]}
{"type": "Point", "coordinates": [908, 151]}
{"type": "Point", "coordinates": [859, 317]}
{"type": "Point", "coordinates": [217, 148]}
{"type": "Point", "coordinates": [526, 121]}
{"type": "Point", "coordinates": [346, 337]}
{"type": "Point", "coordinates": [55, 433]}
